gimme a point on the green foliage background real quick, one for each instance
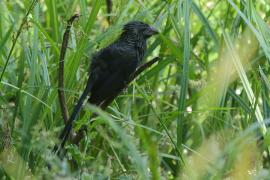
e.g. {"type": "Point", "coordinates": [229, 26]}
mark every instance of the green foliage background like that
{"type": "Point", "coordinates": [200, 113]}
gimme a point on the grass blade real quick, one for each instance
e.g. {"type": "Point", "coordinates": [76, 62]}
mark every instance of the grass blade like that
{"type": "Point", "coordinates": [185, 74]}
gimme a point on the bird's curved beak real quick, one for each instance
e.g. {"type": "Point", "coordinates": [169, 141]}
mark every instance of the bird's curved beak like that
{"type": "Point", "coordinates": [153, 31]}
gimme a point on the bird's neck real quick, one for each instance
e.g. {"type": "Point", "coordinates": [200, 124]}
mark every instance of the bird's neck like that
{"type": "Point", "coordinates": [135, 41]}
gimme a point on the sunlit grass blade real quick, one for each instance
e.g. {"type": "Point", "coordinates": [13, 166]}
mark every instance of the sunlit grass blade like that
{"type": "Point", "coordinates": [206, 24]}
{"type": "Point", "coordinates": [5, 39]}
{"type": "Point", "coordinates": [265, 79]}
{"type": "Point", "coordinates": [241, 72]}
{"type": "Point", "coordinates": [48, 37]}
{"type": "Point", "coordinates": [73, 64]}
{"type": "Point", "coordinates": [185, 74]}
{"type": "Point", "coordinates": [257, 33]}
{"type": "Point", "coordinates": [53, 18]}
{"type": "Point", "coordinates": [27, 93]}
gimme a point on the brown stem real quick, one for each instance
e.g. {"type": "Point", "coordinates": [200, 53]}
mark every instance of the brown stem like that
{"type": "Point", "coordinates": [61, 94]}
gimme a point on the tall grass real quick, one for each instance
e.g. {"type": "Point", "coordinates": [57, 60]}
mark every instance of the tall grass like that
{"type": "Point", "coordinates": [202, 112]}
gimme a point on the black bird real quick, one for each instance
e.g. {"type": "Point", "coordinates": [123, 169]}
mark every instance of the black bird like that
{"type": "Point", "coordinates": [111, 67]}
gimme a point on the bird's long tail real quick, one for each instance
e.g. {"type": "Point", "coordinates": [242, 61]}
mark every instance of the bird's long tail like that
{"type": "Point", "coordinates": [66, 131]}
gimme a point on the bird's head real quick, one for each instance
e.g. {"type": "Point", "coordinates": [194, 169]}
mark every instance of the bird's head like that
{"type": "Point", "coordinates": [139, 28]}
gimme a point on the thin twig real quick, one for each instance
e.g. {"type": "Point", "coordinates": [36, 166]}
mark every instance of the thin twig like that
{"type": "Point", "coordinates": [61, 95]}
{"type": "Point", "coordinates": [24, 21]}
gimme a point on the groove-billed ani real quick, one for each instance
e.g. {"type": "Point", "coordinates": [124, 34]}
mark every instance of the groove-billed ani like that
{"type": "Point", "coordinates": [112, 66]}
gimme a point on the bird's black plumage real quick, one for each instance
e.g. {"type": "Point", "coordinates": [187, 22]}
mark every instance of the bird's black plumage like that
{"type": "Point", "coordinates": [111, 67]}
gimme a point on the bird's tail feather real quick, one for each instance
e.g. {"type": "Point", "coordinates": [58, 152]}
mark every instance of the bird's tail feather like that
{"type": "Point", "coordinates": [66, 131]}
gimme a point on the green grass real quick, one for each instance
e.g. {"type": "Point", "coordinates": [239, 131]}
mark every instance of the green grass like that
{"type": "Point", "coordinates": [199, 113]}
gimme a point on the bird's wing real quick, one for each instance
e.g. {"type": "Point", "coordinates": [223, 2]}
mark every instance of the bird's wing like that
{"type": "Point", "coordinates": [118, 63]}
